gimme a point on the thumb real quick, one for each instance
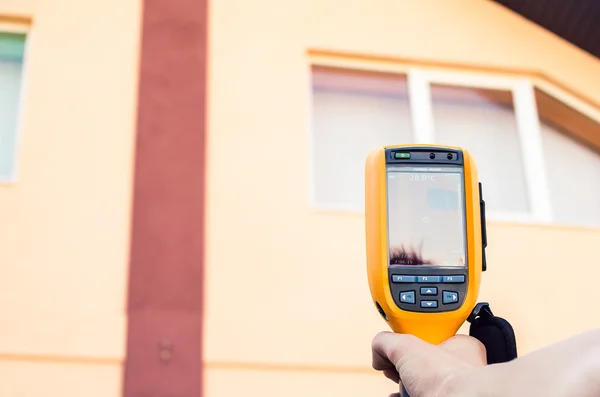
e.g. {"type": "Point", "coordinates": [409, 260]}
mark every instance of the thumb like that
{"type": "Point", "coordinates": [391, 350]}
{"type": "Point", "coordinates": [467, 349]}
{"type": "Point", "coordinates": [422, 367]}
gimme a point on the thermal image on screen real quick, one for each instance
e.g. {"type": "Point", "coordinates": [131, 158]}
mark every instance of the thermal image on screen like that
{"type": "Point", "coordinates": [426, 225]}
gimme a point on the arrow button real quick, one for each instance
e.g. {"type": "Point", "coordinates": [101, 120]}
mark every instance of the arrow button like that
{"type": "Point", "coordinates": [407, 297]}
{"type": "Point", "coordinates": [429, 291]}
{"type": "Point", "coordinates": [429, 304]}
{"type": "Point", "coordinates": [449, 297]}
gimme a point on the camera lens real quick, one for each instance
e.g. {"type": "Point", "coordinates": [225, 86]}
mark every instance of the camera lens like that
{"type": "Point", "coordinates": [449, 156]}
{"type": "Point", "coordinates": [432, 155]}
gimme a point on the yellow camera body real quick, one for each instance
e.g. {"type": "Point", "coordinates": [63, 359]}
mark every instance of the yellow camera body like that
{"type": "Point", "coordinates": [426, 238]}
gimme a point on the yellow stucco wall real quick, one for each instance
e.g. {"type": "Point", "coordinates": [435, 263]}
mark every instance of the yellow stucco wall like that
{"type": "Point", "coordinates": [286, 284]}
{"type": "Point", "coordinates": [65, 223]}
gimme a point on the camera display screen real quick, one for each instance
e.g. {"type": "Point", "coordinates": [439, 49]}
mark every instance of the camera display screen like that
{"type": "Point", "coordinates": [426, 216]}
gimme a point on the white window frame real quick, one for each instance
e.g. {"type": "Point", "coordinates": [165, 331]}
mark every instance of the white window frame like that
{"type": "Point", "coordinates": [20, 29]}
{"type": "Point", "coordinates": [528, 129]}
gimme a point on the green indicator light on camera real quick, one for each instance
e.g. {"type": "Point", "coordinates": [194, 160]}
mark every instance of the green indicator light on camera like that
{"type": "Point", "coordinates": [402, 155]}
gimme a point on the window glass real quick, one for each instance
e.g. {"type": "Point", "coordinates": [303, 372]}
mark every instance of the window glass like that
{"type": "Point", "coordinates": [353, 112]}
{"type": "Point", "coordinates": [483, 122]}
{"type": "Point", "coordinates": [11, 64]}
{"type": "Point", "coordinates": [570, 140]}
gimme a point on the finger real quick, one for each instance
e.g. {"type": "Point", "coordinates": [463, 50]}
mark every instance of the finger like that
{"type": "Point", "coordinates": [394, 395]}
{"type": "Point", "coordinates": [389, 348]}
{"type": "Point", "coordinates": [467, 349]}
{"type": "Point", "coordinates": [381, 362]}
{"type": "Point", "coordinates": [392, 374]}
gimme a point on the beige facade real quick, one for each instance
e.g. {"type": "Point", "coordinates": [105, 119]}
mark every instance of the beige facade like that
{"type": "Point", "coordinates": [288, 311]}
{"type": "Point", "coordinates": [63, 261]}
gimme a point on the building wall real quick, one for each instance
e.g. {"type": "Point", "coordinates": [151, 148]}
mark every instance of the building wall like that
{"type": "Point", "coordinates": [288, 306]}
{"type": "Point", "coordinates": [65, 234]}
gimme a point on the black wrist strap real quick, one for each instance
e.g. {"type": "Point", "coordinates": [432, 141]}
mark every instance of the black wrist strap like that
{"type": "Point", "coordinates": [495, 333]}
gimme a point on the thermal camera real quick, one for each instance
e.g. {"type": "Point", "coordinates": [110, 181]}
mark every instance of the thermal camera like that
{"type": "Point", "coordinates": [426, 237]}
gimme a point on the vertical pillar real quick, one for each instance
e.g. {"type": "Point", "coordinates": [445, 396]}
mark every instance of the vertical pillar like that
{"type": "Point", "coordinates": [165, 297]}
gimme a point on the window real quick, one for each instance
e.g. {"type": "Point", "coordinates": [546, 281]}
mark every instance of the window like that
{"type": "Point", "coordinates": [571, 142]}
{"type": "Point", "coordinates": [495, 119]}
{"type": "Point", "coordinates": [12, 46]}
{"type": "Point", "coordinates": [353, 112]}
{"type": "Point", "coordinates": [533, 151]}
{"type": "Point", "coordinates": [476, 119]}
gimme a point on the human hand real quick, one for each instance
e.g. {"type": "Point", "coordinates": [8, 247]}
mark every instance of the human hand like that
{"type": "Point", "coordinates": [426, 370]}
{"type": "Point", "coordinates": [457, 367]}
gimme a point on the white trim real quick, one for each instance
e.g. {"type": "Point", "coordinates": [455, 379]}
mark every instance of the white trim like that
{"type": "Point", "coordinates": [532, 150]}
{"type": "Point", "coordinates": [13, 178]}
{"type": "Point", "coordinates": [421, 113]}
